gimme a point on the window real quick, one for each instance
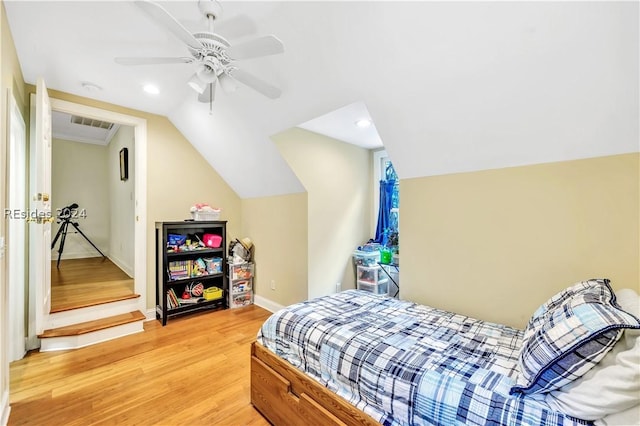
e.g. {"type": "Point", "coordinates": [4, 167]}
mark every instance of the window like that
{"type": "Point", "coordinates": [386, 188]}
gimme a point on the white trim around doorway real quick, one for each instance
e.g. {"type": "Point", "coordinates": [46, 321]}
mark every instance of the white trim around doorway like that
{"type": "Point", "coordinates": [140, 161]}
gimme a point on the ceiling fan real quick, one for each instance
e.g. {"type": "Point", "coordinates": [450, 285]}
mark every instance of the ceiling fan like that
{"type": "Point", "coordinates": [215, 58]}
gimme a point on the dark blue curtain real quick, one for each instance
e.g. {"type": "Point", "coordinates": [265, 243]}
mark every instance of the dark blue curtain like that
{"type": "Point", "coordinates": [384, 211]}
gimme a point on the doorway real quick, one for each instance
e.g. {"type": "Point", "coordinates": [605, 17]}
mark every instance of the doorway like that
{"type": "Point", "coordinates": [138, 162]}
{"type": "Point", "coordinates": [93, 202]}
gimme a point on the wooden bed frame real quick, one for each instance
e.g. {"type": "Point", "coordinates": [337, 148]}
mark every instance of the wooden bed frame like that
{"type": "Point", "coordinates": [286, 396]}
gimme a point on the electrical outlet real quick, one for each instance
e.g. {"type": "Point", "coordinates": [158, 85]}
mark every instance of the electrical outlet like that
{"type": "Point", "coordinates": [273, 284]}
{"type": "Point", "coordinates": [338, 287]}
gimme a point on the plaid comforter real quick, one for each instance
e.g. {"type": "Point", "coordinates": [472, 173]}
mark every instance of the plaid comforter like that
{"type": "Point", "coordinates": [407, 364]}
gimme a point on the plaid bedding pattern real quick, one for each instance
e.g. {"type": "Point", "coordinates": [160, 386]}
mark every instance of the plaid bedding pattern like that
{"type": "Point", "coordinates": [408, 364]}
{"type": "Point", "coordinates": [570, 334]}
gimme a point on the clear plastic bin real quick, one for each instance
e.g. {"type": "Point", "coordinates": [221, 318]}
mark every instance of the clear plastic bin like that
{"type": "Point", "coordinates": [241, 299]}
{"type": "Point", "coordinates": [370, 274]}
{"type": "Point", "coordinates": [382, 287]}
{"type": "Point", "coordinates": [241, 286]}
{"type": "Point", "coordinates": [366, 258]}
{"type": "Point", "coordinates": [241, 271]}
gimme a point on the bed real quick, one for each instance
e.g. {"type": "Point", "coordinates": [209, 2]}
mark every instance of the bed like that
{"type": "Point", "coordinates": [360, 358]}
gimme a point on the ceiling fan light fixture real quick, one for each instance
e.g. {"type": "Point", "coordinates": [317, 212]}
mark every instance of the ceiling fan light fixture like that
{"type": "Point", "coordinates": [207, 75]}
{"type": "Point", "coordinates": [196, 83]}
{"type": "Point", "coordinates": [227, 83]}
{"type": "Point", "coordinates": [363, 123]}
{"type": "Point", "coordinates": [151, 89]}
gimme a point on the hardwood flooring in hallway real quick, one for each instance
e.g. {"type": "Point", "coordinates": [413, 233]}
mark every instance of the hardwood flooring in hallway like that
{"type": "Point", "coordinates": [79, 283]}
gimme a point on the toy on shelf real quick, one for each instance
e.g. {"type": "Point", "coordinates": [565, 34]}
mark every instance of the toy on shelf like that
{"type": "Point", "coordinates": [199, 268]}
{"type": "Point", "coordinates": [177, 243]}
{"type": "Point", "coordinates": [212, 293]}
{"type": "Point", "coordinates": [213, 265]}
{"type": "Point", "coordinates": [196, 289]}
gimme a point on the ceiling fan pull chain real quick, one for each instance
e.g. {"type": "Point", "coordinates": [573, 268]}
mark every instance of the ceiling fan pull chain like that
{"type": "Point", "coordinates": [211, 98]}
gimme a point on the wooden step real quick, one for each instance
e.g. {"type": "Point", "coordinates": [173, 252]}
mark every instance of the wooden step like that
{"type": "Point", "coordinates": [62, 305]}
{"type": "Point", "coordinates": [91, 326]}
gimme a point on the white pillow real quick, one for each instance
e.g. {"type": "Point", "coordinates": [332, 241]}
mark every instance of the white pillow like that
{"type": "Point", "coordinates": [628, 417]}
{"type": "Point", "coordinates": [613, 385]}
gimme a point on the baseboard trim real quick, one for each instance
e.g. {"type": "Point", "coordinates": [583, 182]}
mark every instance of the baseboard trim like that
{"type": "Point", "coordinates": [6, 408]}
{"type": "Point", "coordinates": [267, 304]}
{"type": "Point", "coordinates": [74, 255]}
{"type": "Point", "coordinates": [33, 343]}
{"type": "Point", "coordinates": [150, 314]}
{"type": "Point", "coordinates": [121, 264]}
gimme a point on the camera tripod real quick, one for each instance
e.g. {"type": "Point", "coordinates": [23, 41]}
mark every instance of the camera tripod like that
{"type": "Point", "coordinates": [65, 219]}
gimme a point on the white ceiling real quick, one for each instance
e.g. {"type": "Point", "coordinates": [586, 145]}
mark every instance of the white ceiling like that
{"type": "Point", "coordinates": [451, 86]}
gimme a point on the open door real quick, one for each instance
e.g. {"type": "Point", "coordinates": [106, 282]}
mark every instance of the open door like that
{"type": "Point", "coordinates": [40, 215]}
{"type": "Point", "coordinates": [16, 229]}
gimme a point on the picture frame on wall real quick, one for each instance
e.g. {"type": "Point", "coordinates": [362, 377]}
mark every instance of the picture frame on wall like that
{"type": "Point", "coordinates": [124, 164]}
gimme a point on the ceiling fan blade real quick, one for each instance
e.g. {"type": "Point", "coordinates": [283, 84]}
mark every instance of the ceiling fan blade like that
{"type": "Point", "coordinates": [209, 93]}
{"type": "Point", "coordinates": [256, 84]}
{"type": "Point", "coordinates": [262, 46]}
{"type": "Point", "coordinates": [152, 61]}
{"type": "Point", "coordinates": [164, 18]}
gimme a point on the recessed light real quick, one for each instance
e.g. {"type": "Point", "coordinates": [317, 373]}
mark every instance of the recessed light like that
{"type": "Point", "coordinates": [90, 87]}
{"type": "Point", "coordinates": [363, 123]}
{"type": "Point", "coordinates": [150, 88]}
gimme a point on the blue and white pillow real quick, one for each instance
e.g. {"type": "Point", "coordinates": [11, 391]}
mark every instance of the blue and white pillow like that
{"type": "Point", "coordinates": [568, 335]}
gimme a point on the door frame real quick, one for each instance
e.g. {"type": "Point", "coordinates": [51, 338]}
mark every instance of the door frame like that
{"type": "Point", "coordinates": [16, 229]}
{"type": "Point", "coordinates": [140, 193]}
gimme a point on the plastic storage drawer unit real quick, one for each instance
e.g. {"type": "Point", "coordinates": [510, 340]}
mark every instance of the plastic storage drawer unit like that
{"type": "Point", "coordinates": [370, 274]}
{"type": "Point", "coordinates": [240, 286]}
{"type": "Point", "coordinates": [241, 271]}
{"type": "Point", "coordinates": [241, 299]}
{"type": "Point", "coordinates": [382, 287]}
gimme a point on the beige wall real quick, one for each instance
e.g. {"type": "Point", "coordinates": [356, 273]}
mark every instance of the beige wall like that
{"type": "Point", "coordinates": [79, 175]}
{"type": "Point", "coordinates": [337, 177]}
{"type": "Point", "coordinates": [177, 177]}
{"type": "Point", "coordinates": [122, 201]}
{"type": "Point", "coordinates": [278, 228]}
{"type": "Point", "coordinates": [496, 244]}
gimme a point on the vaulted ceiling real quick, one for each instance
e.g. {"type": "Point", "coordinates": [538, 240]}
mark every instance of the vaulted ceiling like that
{"type": "Point", "coordinates": [450, 86]}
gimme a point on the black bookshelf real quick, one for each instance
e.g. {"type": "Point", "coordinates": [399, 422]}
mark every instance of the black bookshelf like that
{"type": "Point", "coordinates": [169, 290]}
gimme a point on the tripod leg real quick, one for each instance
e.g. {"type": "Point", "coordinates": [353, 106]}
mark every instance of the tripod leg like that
{"type": "Point", "coordinates": [63, 228]}
{"type": "Point", "coordinates": [75, 225]}
{"type": "Point", "coordinates": [55, 240]}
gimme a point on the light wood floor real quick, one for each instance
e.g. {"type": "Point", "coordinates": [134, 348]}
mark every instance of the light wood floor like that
{"type": "Point", "coordinates": [193, 371]}
{"type": "Point", "coordinates": [85, 282]}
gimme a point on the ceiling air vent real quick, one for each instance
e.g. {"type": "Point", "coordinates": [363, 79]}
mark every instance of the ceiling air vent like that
{"type": "Point", "coordinates": [75, 119]}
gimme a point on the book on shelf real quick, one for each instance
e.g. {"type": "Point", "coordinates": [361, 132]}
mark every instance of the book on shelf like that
{"type": "Point", "coordinates": [172, 299]}
{"type": "Point", "coordinates": [179, 269]}
{"type": "Point", "coordinates": [191, 300]}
